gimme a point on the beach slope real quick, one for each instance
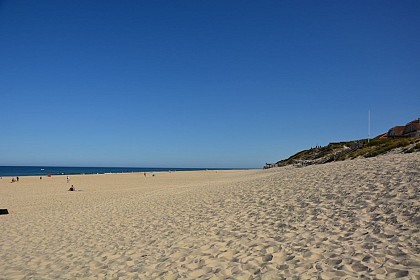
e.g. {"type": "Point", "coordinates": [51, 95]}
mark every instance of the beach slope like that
{"type": "Point", "coordinates": [343, 219]}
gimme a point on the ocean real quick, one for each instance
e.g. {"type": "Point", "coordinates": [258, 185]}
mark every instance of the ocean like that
{"type": "Point", "coordinates": [59, 170]}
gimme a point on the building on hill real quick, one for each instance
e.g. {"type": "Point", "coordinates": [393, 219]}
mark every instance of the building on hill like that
{"type": "Point", "coordinates": [411, 129]}
{"type": "Point", "coordinates": [382, 136]}
{"type": "Point", "coordinates": [396, 132]}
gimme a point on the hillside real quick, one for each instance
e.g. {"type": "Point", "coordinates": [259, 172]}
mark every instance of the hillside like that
{"type": "Point", "coordinates": [350, 150]}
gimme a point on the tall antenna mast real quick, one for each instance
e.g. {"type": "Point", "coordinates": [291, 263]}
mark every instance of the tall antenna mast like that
{"type": "Point", "coordinates": [368, 126]}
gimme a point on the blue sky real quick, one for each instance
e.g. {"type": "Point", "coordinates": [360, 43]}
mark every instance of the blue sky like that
{"type": "Point", "coordinates": [200, 83]}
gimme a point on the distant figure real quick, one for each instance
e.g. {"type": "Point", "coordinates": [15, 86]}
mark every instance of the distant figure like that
{"type": "Point", "coordinates": [40, 178]}
{"type": "Point", "coordinates": [17, 179]}
{"type": "Point", "coordinates": [72, 189]}
{"type": "Point", "coordinates": [13, 180]}
{"type": "Point", "coordinates": [144, 174]}
{"type": "Point", "coordinates": [68, 179]}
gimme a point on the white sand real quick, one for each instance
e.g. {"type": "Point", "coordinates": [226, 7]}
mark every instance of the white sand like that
{"type": "Point", "coordinates": [345, 219]}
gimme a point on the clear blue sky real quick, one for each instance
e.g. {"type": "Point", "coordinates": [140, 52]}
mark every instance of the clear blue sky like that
{"type": "Point", "coordinates": [200, 83]}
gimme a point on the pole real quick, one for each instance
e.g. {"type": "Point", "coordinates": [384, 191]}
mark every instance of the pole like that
{"type": "Point", "coordinates": [368, 126]}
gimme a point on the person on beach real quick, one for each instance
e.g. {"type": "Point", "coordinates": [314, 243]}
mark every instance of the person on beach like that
{"type": "Point", "coordinates": [72, 189]}
{"type": "Point", "coordinates": [17, 179]}
{"type": "Point", "coordinates": [68, 179]}
{"type": "Point", "coordinates": [144, 174]}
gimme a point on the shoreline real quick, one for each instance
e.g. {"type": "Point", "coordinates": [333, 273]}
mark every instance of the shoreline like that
{"type": "Point", "coordinates": [141, 170]}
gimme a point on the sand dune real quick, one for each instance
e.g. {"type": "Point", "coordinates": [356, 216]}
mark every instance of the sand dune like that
{"type": "Point", "coordinates": [342, 220]}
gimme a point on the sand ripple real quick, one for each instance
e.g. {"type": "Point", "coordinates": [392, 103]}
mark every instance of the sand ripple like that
{"type": "Point", "coordinates": [354, 219]}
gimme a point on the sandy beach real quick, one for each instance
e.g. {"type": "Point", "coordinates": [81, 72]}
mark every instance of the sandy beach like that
{"type": "Point", "coordinates": [342, 220]}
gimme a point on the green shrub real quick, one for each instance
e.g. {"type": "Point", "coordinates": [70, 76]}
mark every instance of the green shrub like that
{"type": "Point", "coordinates": [374, 148]}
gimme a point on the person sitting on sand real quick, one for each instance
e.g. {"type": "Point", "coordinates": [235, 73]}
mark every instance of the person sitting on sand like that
{"type": "Point", "coordinates": [72, 189]}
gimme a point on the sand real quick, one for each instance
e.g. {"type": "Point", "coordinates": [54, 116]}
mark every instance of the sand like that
{"type": "Point", "coordinates": [343, 220]}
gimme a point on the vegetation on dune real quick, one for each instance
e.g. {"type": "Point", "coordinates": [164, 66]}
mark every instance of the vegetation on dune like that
{"type": "Point", "coordinates": [343, 151]}
{"type": "Point", "coordinates": [382, 146]}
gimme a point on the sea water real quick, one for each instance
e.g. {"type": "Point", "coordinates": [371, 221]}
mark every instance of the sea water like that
{"type": "Point", "coordinates": [60, 170]}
